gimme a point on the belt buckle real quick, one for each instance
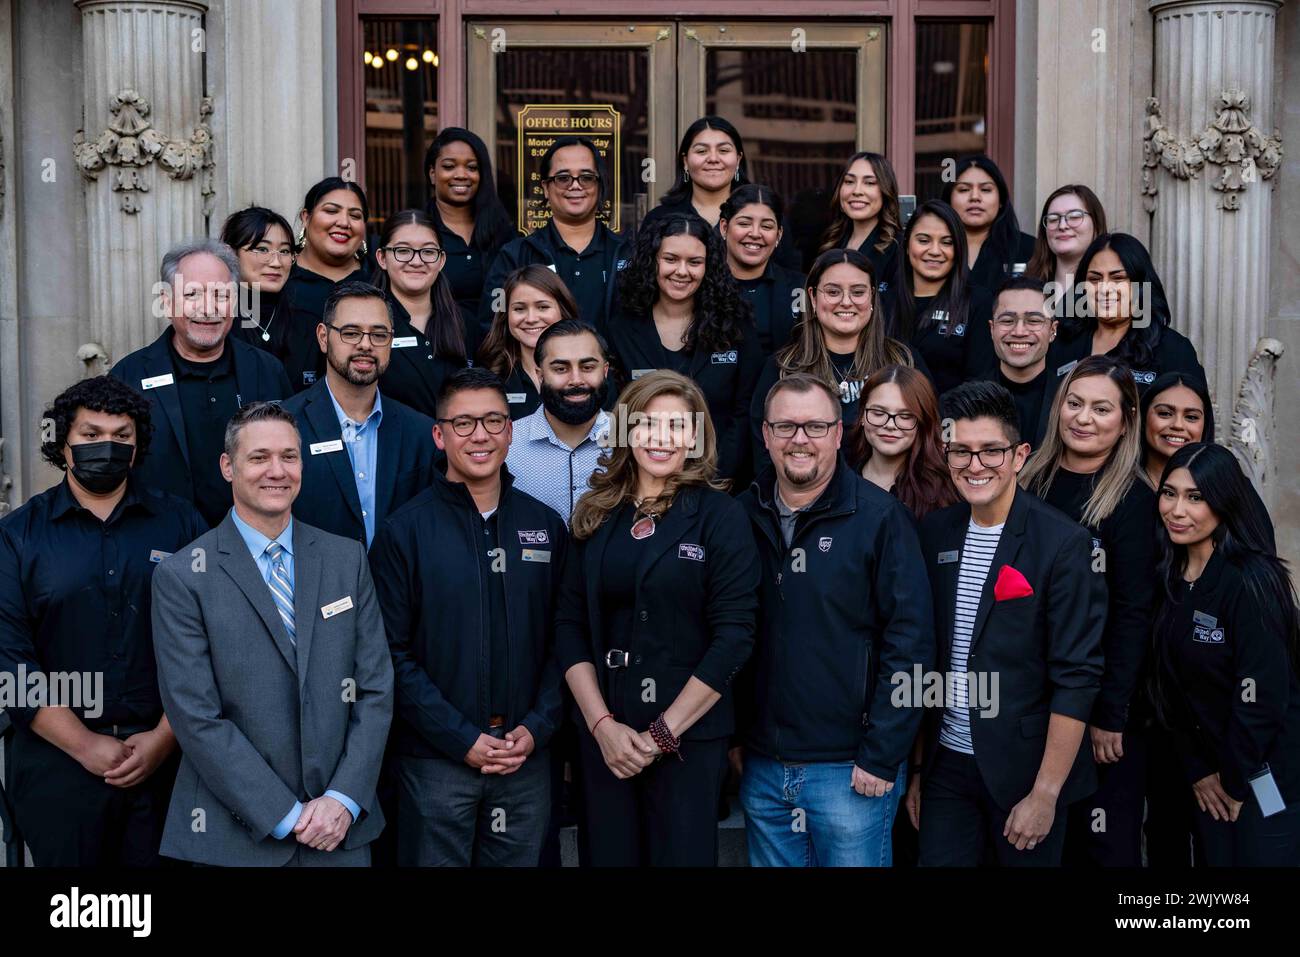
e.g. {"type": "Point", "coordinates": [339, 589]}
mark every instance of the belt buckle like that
{"type": "Point", "coordinates": [616, 658]}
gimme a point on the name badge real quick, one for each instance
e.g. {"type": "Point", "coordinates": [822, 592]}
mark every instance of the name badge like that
{"type": "Point", "coordinates": [335, 607]}
{"type": "Point", "coordinates": [536, 555]}
{"type": "Point", "coordinates": [154, 381]}
{"type": "Point", "coordinates": [333, 445]}
{"type": "Point", "coordinates": [728, 358]}
{"type": "Point", "coordinates": [947, 558]}
{"type": "Point", "coordinates": [1063, 370]}
{"type": "Point", "coordinates": [156, 555]}
{"type": "Point", "coordinates": [694, 552]}
{"type": "Point", "coordinates": [515, 398]}
{"type": "Point", "coordinates": [1201, 618]}
{"type": "Point", "coordinates": [638, 373]}
{"type": "Point", "coordinates": [404, 342]}
{"type": "Point", "coordinates": [551, 267]}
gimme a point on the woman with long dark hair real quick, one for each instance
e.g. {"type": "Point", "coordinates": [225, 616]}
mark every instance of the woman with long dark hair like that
{"type": "Point", "coordinates": [679, 309]}
{"type": "Point", "coordinates": [533, 299]}
{"type": "Point", "coordinates": [263, 241]}
{"type": "Point", "coordinates": [1176, 412]}
{"type": "Point", "coordinates": [331, 246]}
{"type": "Point", "coordinates": [429, 330]}
{"type": "Point", "coordinates": [995, 246]}
{"type": "Point", "coordinates": [751, 230]}
{"type": "Point", "coordinates": [1088, 467]}
{"type": "Point", "coordinates": [933, 307]}
{"type": "Point", "coordinates": [841, 340]}
{"type": "Point", "coordinates": [1072, 218]}
{"type": "Point", "coordinates": [467, 214]}
{"type": "Point", "coordinates": [895, 441]}
{"type": "Point", "coordinates": [1227, 661]}
{"type": "Point", "coordinates": [865, 214]}
{"type": "Point", "coordinates": [656, 616]}
{"type": "Point", "coordinates": [1123, 313]}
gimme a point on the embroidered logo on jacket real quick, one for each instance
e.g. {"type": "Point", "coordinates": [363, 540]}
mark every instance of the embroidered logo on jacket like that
{"type": "Point", "coordinates": [824, 544]}
{"type": "Point", "coordinates": [694, 552]}
{"type": "Point", "coordinates": [730, 357]}
{"type": "Point", "coordinates": [533, 537]}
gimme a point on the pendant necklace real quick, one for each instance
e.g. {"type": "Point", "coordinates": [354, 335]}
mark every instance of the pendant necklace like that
{"type": "Point", "coordinates": [643, 527]}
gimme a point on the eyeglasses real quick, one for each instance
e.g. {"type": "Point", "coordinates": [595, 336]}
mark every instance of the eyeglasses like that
{"type": "Point", "coordinates": [352, 336]}
{"type": "Point", "coordinates": [814, 429]}
{"type": "Point", "coordinates": [857, 294]}
{"type": "Point", "coordinates": [960, 458]}
{"type": "Point", "coordinates": [1033, 321]}
{"type": "Point", "coordinates": [264, 254]}
{"type": "Point", "coordinates": [586, 179]}
{"type": "Point", "coordinates": [906, 421]}
{"type": "Point", "coordinates": [494, 423]}
{"type": "Point", "coordinates": [1073, 219]}
{"type": "Point", "coordinates": [404, 254]}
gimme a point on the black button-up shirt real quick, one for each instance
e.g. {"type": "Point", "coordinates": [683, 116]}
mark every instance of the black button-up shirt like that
{"type": "Point", "coordinates": [209, 396]}
{"type": "Point", "coordinates": [75, 595]}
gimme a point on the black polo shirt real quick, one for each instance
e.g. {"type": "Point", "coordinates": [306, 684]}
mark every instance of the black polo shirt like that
{"type": "Point", "coordinates": [415, 372]}
{"type": "Point", "coordinates": [585, 273]}
{"type": "Point", "coordinates": [209, 396]}
{"type": "Point", "coordinates": [466, 265]}
{"type": "Point", "coordinates": [75, 594]}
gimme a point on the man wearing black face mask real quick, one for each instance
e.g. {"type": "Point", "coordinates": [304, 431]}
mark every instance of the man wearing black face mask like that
{"type": "Point", "coordinates": [554, 450]}
{"type": "Point", "coordinates": [93, 754]}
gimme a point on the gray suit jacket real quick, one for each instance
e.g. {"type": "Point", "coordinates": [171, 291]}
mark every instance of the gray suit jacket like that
{"type": "Point", "coordinates": [262, 723]}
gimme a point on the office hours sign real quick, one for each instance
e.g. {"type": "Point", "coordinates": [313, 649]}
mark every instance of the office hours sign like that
{"type": "Point", "coordinates": [539, 126]}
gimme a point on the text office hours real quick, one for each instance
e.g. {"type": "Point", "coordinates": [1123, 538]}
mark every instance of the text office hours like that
{"type": "Point", "coordinates": [918, 79]}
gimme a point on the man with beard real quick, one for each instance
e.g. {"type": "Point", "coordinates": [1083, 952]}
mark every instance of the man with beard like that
{"type": "Point", "coordinates": [367, 455]}
{"type": "Point", "coordinates": [554, 451]}
{"type": "Point", "coordinates": [844, 614]}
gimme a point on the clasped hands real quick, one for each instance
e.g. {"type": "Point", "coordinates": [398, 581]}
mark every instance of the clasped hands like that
{"type": "Point", "coordinates": [626, 752]}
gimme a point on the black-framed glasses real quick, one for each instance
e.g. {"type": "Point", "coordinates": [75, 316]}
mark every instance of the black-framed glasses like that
{"type": "Point", "coordinates": [351, 335]}
{"type": "Point", "coordinates": [989, 458]}
{"type": "Point", "coordinates": [904, 421]}
{"type": "Point", "coordinates": [404, 254]}
{"type": "Point", "coordinates": [814, 429]}
{"type": "Point", "coordinates": [586, 179]}
{"type": "Point", "coordinates": [1034, 321]}
{"type": "Point", "coordinates": [494, 423]}
{"type": "Point", "coordinates": [1073, 218]}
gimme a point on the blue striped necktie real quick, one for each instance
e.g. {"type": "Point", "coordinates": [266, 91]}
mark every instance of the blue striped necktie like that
{"type": "Point", "coordinates": [281, 585]}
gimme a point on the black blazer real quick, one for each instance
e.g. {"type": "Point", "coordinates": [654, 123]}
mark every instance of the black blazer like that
{"type": "Point", "coordinates": [777, 310]}
{"type": "Point", "coordinates": [166, 467]}
{"type": "Point", "coordinates": [403, 466]}
{"type": "Point", "coordinates": [1045, 648]}
{"type": "Point", "coordinates": [696, 600]}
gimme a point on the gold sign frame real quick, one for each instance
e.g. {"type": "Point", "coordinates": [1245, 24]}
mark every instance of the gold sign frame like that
{"type": "Point", "coordinates": [564, 119]}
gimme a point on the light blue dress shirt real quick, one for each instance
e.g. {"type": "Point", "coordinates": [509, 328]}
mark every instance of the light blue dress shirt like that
{"type": "Point", "coordinates": [549, 470]}
{"type": "Point", "coordinates": [257, 543]}
{"type": "Point", "coordinates": [361, 439]}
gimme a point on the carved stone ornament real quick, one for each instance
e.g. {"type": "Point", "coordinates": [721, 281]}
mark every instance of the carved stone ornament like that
{"type": "Point", "coordinates": [1252, 435]}
{"type": "Point", "coordinates": [1243, 152]}
{"type": "Point", "coordinates": [130, 144]}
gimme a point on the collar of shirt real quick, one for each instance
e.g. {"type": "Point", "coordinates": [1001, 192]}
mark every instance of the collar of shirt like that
{"type": "Point", "coordinates": [346, 425]}
{"type": "Point", "coordinates": [597, 244]}
{"type": "Point", "coordinates": [65, 502]}
{"type": "Point", "coordinates": [257, 542]}
{"type": "Point", "coordinates": [541, 430]}
{"type": "Point", "coordinates": [212, 369]}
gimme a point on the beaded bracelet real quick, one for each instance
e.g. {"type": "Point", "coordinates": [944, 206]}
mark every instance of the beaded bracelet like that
{"type": "Point", "coordinates": [664, 738]}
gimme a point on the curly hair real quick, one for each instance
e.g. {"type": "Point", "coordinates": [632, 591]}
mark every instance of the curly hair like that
{"type": "Point", "coordinates": [100, 394]}
{"type": "Point", "coordinates": [719, 312]}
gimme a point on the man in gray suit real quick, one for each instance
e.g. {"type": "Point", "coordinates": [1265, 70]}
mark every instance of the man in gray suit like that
{"type": "Point", "coordinates": [274, 672]}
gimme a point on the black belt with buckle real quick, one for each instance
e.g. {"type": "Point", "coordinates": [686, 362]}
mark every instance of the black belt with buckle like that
{"type": "Point", "coordinates": [616, 658]}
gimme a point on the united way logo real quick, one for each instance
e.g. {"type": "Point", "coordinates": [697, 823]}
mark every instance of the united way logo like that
{"type": "Point", "coordinates": [693, 552]}
{"type": "Point", "coordinates": [728, 358]}
{"type": "Point", "coordinates": [825, 544]}
{"type": "Point", "coordinates": [530, 537]}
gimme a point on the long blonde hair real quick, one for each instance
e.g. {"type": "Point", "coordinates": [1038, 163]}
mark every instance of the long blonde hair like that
{"type": "Point", "coordinates": [1122, 466]}
{"type": "Point", "coordinates": [615, 479]}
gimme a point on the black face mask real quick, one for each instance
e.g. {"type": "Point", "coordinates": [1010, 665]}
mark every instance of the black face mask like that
{"type": "Point", "coordinates": [100, 467]}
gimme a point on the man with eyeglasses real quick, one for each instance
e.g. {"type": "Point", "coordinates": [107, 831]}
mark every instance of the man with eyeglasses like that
{"type": "Point", "coordinates": [844, 609]}
{"type": "Point", "coordinates": [1019, 616]}
{"type": "Point", "coordinates": [581, 250]}
{"type": "Point", "coordinates": [1023, 327]}
{"type": "Point", "coordinates": [366, 455]}
{"type": "Point", "coordinates": [196, 376]}
{"type": "Point", "coordinates": [467, 573]}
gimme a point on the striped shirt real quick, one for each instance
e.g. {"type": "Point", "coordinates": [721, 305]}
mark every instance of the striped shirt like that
{"type": "Point", "coordinates": [976, 560]}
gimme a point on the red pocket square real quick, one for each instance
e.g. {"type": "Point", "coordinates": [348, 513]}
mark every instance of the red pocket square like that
{"type": "Point", "coordinates": [1011, 584]}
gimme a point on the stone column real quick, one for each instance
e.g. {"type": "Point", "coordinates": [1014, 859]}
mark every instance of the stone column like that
{"type": "Point", "coordinates": [1210, 153]}
{"type": "Point", "coordinates": [146, 151]}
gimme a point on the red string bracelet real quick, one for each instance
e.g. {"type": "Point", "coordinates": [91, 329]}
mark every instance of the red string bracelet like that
{"type": "Point", "coordinates": [599, 720]}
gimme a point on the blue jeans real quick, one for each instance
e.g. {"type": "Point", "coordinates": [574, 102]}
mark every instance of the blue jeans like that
{"type": "Point", "coordinates": [808, 815]}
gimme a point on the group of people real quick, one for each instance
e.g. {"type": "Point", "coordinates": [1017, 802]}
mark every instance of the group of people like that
{"type": "Point", "coordinates": [937, 521]}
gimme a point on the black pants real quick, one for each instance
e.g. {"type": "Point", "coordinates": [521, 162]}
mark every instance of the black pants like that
{"type": "Point", "coordinates": [1171, 808]}
{"type": "Point", "coordinates": [1105, 829]}
{"type": "Point", "coordinates": [666, 816]}
{"type": "Point", "coordinates": [961, 820]}
{"type": "Point", "coordinates": [70, 818]}
{"type": "Point", "coordinates": [1252, 840]}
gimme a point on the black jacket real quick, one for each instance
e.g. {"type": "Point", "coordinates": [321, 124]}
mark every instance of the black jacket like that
{"type": "Point", "coordinates": [727, 378]}
{"type": "Point", "coordinates": [1032, 432]}
{"type": "Point", "coordinates": [786, 255]}
{"type": "Point", "coordinates": [776, 298]}
{"type": "Point", "coordinates": [697, 596]}
{"type": "Point", "coordinates": [424, 561]}
{"type": "Point", "coordinates": [1044, 648]}
{"type": "Point", "coordinates": [844, 608]}
{"type": "Point", "coordinates": [305, 293]}
{"type": "Point", "coordinates": [1214, 643]}
{"type": "Point", "coordinates": [994, 264]}
{"type": "Point", "coordinates": [415, 372]}
{"type": "Point", "coordinates": [607, 252]}
{"type": "Point", "coordinates": [166, 467]}
{"type": "Point", "coordinates": [403, 466]}
{"type": "Point", "coordinates": [1173, 353]}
